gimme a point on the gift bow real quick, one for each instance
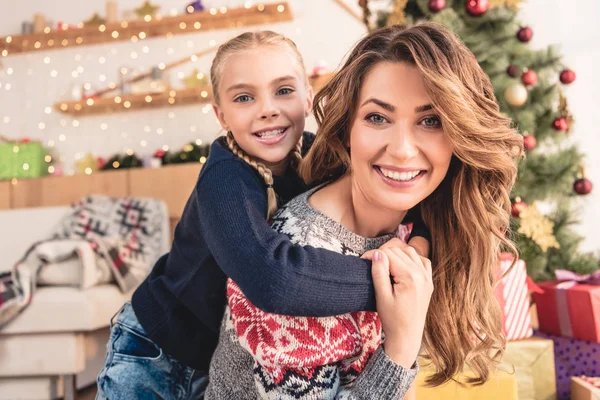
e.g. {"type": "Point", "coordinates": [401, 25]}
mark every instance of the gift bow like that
{"type": "Point", "coordinates": [564, 275]}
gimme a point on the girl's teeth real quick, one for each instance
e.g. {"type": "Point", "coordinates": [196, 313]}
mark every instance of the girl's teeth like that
{"type": "Point", "coordinates": [399, 176]}
{"type": "Point", "coordinates": [270, 134]}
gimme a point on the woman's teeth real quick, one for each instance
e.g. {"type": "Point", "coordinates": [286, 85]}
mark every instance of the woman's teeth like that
{"type": "Point", "coordinates": [399, 176]}
{"type": "Point", "coordinates": [270, 134]}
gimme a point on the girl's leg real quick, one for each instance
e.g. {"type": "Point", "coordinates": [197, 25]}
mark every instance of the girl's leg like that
{"type": "Point", "coordinates": [136, 368]}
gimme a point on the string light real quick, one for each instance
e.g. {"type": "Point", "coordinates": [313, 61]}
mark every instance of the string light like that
{"type": "Point", "coordinates": [78, 57]}
{"type": "Point", "coordinates": [112, 85]}
{"type": "Point", "coordinates": [87, 86]}
{"type": "Point", "coordinates": [206, 108]}
{"type": "Point", "coordinates": [134, 55]}
{"type": "Point", "coordinates": [199, 142]}
{"type": "Point", "coordinates": [129, 152]}
{"type": "Point", "coordinates": [160, 131]}
{"type": "Point", "coordinates": [127, 104]}
{"type": "Point", "coordinates": [88, 171]}
{"type": "Point", "coordinates": [48, 110]}
{"type": "Point", "coordinates": [148, 99]}
{"type": "Point", "coordinates": [104, 127]}
{"type": "Point", "coordinates": [261, 7]}
{"type": "Point", "coordinates": [212, 43]}
{"type": "Point", "coordinates": [143, 143]}
{"type": "Point", "coordinates": [90, 102]}
{"type": "Point", "coordinates": [47, 30]}
{"type": "Point", "coordinates": [9, 71]}
{"type": "Point", "coordinates": [162, 66]}
{"type": "Point", "coordinates": [7, 86]}
{"type": "Point", "coordinates": [124, 24]}
{"type": "Point", "coordinates": [147, 18]}
{"type": "Point", "coordinates": [180, 75]}
{"type": "Point", "coordinates": [46, 60]}
{"type": "Point", "coordinates": [116, 164]}
{"type": "Point", "coordinates": [146, 49]}
{"type": "Point", "coordinates": [213, 11]}
{"type": "Point", "coordinates": [54, 73]}
{"type": "Point", "coordinates": [80, 69]}
{"type": "Point", "coordinates": [62, 137]}
{"type": "Point", "coordinates": [197, 25]}
{"type": "Point", "coordinates": [79, 40]}
{"type": "Point", "coordinates": [165, 148]}
{"type": "Point", "coordinates": [65, 42]}
{"type": "Point", "coordinates": [115, 34]}
{"type": "Point", "coordinates": [223, 10]}
{"type": "Point", "coordinates": [48, 158]}
{"type": "Point", "coordinates": [51, 169]}
{"type": "Point", "coordinates": [147, 129]}
{"type": "Point", "coordinates": [194, 58]}
{"type": "Point", "coordinates": [118, 99]}
{"type": "Point", "coordinates": [75, 123]}
{"type": "Point", "coordinates": [171, 115]}
{"type": "Point", "coordinates": [63, 122]}
{"type": "Point", "coordinates": [50, 143]}
{"type": "Point", "coordinates": [170, 50]}
{"type": "Point", "coordinates": [37, 45]}
{"type": "Point", "coordinates": [64, 107]}
{"type": "Point", "coordinates": [4, 53]}
{"type": "Point", "coordinates": [280, 8]}
{"type": "Point", "coordinates": [172, 93]}
{"type": "Point", "coordinates": [102, 60]}
{"type": "Point", "coordinates": [102, 28]}
{"type": "Point", "coordinates": [182, 25]}
{"type": "Point", "coordinates": [134, 39]}
{"type": "Point", "coordinates": [74, 74]}
{"type": "Point", "coordinates": [42, 126]}
{"type": "Point", "coordinates": [248, 4]}
{"type": "Point", "coordinates": [26, 167]}
{"type": "Point", "coordinates": [204, 94]}
{"type": "Point", "coordinates": [171, 100]}
{"type": "Point", "coordinates": [102, 78]}
{"type": "Point", "coordinates": [8, 39]}
{"type": "Point", "coordinates": [142, 35]}
{"type": "Point", "coordinates": [202, 160]}
{"type": "Point", "coordinates": [193, 128]}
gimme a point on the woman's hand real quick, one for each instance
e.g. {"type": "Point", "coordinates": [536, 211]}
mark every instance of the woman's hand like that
{"type": "Point", "coordinates": [403, 300]}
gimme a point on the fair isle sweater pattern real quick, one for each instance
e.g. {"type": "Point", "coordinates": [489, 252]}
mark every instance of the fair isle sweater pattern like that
{"type": "Point", "coordinates": [305, 357]}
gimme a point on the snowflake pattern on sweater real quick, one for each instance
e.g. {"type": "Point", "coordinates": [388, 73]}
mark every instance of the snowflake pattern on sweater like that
{"type": "Point", "coordinates": [306, 357]}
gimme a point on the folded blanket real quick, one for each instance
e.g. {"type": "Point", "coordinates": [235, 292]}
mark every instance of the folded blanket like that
{"type": "Point", "coordinates": [102, 239]}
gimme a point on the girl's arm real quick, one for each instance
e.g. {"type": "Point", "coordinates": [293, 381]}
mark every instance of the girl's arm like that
{"type": "Point", "coordinates": [275, 274]}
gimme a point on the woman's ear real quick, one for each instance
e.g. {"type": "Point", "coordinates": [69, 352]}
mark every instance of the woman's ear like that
{"type": "Point", "coordinates": [309, 101]}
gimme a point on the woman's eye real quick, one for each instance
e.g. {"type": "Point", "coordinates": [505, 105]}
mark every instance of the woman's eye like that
{"type": "Point", "coordinates": [285, 91]}
{"type": "Point", "coordinates": [432, 122]}
{"type": "Point", "coordinates": [376, 119]}
{"type": "Point", "coordinates": [242, 99]}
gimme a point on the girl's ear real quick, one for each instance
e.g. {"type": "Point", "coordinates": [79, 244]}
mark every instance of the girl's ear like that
{"type": "Point", "coordinates": [221, 117]}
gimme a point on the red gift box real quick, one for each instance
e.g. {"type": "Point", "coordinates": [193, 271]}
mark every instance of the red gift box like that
{"type": "Point", "coordinates": [570, 306]}
{"type": "Point", "coordinates": [513, 295]}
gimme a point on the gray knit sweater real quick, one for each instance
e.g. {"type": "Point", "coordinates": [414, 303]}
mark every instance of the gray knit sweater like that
{"type": "Point", "coordinates": [268, 356]}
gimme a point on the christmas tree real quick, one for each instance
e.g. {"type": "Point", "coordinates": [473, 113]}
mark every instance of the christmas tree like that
{"type": "Point", "coordinates": [528, 87]}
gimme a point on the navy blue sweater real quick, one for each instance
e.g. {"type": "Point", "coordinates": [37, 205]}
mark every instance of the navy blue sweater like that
{"type": "Point", "coordinates": [223, 232]}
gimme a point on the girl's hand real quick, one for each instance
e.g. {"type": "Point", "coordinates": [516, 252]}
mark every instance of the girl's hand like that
{"type": "Point", "coordinates": [403, 300]}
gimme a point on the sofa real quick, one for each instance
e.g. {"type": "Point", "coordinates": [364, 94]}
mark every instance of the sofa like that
{"type": "Point", "coordinates": [58, 343]}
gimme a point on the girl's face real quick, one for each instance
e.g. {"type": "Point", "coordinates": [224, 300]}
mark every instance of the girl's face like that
{"type": "Point", "coordinates": [399, 152]}
{"type": "Point", "coordinates": [264, 100]}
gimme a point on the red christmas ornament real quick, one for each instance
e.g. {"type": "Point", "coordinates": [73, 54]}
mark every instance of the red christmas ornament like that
{"type": "Point", "coordinates": [529, 142]}
{"type": "Point", "coordinates": [101, 162]}
{"type": "Point", "coordinates": [436, 6]}
{"type": "Point", "coordinates": [159, 153]}
{"type": "Point", "coordinates": [529, 78]}
{"type": "Point", "coordinates": [525, 34]}
{"type": "Point", "coordinates": [513, 71]}
{"type": "Point", "coordinates": [25, 140]}
{"type": "Point", "coordinates": [477, 7]}
{"type": "Point", "coordinates": [583, 186]}
{"type": "Point", "coordinates": [517, 207]}
{"type": "Point", "coordinates": [560, 124]}
{"type": "Point", "coordinates": [567, 76]}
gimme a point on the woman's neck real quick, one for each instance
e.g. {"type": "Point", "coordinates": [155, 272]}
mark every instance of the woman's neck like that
{"type": "Point", "coordinates": [344, 202]}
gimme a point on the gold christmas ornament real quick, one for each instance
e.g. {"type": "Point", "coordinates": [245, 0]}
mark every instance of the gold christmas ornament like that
{"type": "Point", "coordinates": [146, 9]}
{"type": "Point", "coordinates": [537, 227]}
{"type": "Point", "coordinates": [516, 94]}
{"type": "Point", "coordinates": [563, 110]}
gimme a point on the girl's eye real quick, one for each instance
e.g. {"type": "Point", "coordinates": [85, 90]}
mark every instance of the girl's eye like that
{"type": "Point", "coordinates": [285, 91]}
{"type": "Point", "coordinates": [376, 119]}
{"type": "Point", "coordinates": [242, 99]}
{"type": "Point", "coordinates": [432, 122]}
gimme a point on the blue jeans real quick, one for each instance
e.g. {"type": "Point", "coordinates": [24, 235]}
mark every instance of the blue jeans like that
{"type": "Point", "coordinates": [136, 368]}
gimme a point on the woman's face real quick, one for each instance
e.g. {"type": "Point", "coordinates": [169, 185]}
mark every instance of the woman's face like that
{"type": "Point", "coordinates": [398, 149]}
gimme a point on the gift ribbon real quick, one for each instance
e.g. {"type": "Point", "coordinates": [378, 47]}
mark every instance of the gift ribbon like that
{"type": "Point", "coordinates": [568, 279]}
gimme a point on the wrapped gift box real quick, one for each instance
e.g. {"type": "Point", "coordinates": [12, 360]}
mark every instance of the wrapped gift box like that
{"type": "Point", "coordinates": [501, 386]}
{"type": "Point", "coordinates": [533, 363]}
{"type": "Point", "coordinates": [573, 357]}
{"type": "Point", "coordinates": [22, 160]}
{"type": "Point", "coordinates": [513, 296]}
{"type": "Point", "coordinates": [569, 308]}
{"type": "Point", "coordinates": [585, 389]}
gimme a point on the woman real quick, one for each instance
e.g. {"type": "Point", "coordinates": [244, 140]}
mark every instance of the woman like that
{"type": "Point", "coordinates": [409, 119]}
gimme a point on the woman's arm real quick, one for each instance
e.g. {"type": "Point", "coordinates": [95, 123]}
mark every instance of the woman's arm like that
{"type": "Point", "coordinates": [275, 274]}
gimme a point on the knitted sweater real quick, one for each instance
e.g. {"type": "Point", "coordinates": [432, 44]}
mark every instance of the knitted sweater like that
{"type": "Point", "coordinates": [270, 356]}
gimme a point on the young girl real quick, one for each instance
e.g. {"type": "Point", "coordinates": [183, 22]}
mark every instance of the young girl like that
{"type": "Point", "coordinates": [163, 341]}
{"type": "Point", "coordinates": [410, 119]}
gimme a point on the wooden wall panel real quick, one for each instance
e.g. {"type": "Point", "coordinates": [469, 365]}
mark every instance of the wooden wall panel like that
{"type": "Point", "coordinates": [60, 191]}
{"type": "Point", "coordinates": [172, 183]}
{"type": "Point", "coordinates": [5, 195]}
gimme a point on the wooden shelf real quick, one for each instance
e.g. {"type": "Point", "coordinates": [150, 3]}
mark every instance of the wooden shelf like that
{"type": "Point", "coordinates": [136, 102]}
{"type": "Point", "coordinates": [141, 29]}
